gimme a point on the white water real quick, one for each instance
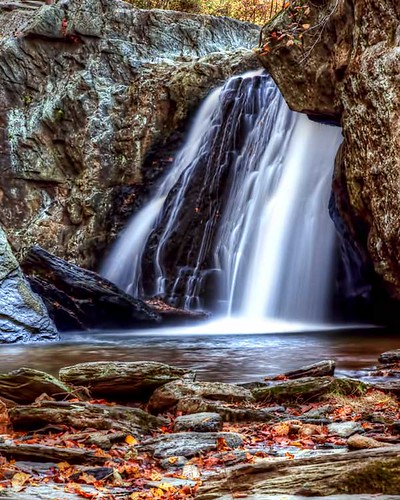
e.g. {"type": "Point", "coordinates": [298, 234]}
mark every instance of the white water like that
{"type": "Point", "coordinates": [123, 265]}
{"type": "Point", "coordinates": [275, 245]}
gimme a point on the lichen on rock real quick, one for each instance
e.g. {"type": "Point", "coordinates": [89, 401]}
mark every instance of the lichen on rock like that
{"type": "Point", "coordinates": [89, 91]}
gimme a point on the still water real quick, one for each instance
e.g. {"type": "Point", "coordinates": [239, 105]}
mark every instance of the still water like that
{"type": "Point", "coordinates": [229, 358]}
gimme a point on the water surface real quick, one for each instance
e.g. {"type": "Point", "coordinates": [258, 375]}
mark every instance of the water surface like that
{"type": "Point", "coordinates": [229, 358]}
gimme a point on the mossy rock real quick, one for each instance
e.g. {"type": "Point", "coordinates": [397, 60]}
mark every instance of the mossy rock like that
{"type": "Point", "coordinates": [308, 389]}
{"type": "Point", "coordinates": [380, 476]}
{"type": "Point", "coordinates": [25, 385]}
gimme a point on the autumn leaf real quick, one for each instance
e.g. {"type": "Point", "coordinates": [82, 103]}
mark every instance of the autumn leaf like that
{"type": "Point", "coordinates": [305, 26]}
{"type": "Point", "coordinates": [19, 479]}
{"type": "Point", "coordinates": [222, 445]}
{"type": "Point", "coordinates": [131, 440]}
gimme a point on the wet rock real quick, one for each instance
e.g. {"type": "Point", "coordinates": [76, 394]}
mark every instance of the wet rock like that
{"type": "Point", "coordinates": [85, 416]}
{"type": "Point", "coordinates": [76, 134]}
{"type": "Point", "coordinates": [25, 385]}
{"type": "Point", "coordinates": [344, 429]}
{"type": "Point", "coordinates": [24, 317]}
{"type": "Point", "coordinates": [199, 422]}
{"type": "Point", "coordinates": [170, 394]}
{"type": "Point", "coordinates": [189, 444]}
{"type": "Point", "coordinates": [117, 379]}
{"type": "Point", "coordinates": [321, 369]}
{"type": "Point", "coordinates": [358, 442]}
{"type": "Point", "coordinates": [78, 299]}
{"type": "Point", "coordinates": [390, 357]}
{"type": "Point", "coordinates": [239, 413]}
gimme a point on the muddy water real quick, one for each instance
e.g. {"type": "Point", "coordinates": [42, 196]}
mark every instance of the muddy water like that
{"type": "Point", "coordinates": [230, 358]}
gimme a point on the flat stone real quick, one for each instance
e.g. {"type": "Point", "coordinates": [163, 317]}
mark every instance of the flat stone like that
{"type": "Point", "coordinates": [136, 379]}
{"type": "Point", "coordinates": [320, 412]}
{"type": "Point", "coordinates": [192, 405]}
{"type": "Point", "coordinates": [199, 422]}
{"type": "Point", "coordinates": [170, 394]}
{"type": "Point", "coordinates": [344, 429]}
{"type": "Point", "coordinates": [189, 444]}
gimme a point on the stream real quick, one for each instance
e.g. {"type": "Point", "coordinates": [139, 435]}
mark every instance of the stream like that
{"type": "Point", "coordinates": [227, 358]}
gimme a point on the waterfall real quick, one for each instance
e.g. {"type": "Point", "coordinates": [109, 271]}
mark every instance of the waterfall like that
{"type": "Point", "coordinates": [242, 215]}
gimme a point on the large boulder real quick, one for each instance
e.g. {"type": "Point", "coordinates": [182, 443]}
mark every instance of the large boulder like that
{"type": "Point", "coordinates": [23, 317]}
{"type": "Point", "coordinates": [341, 61]}
{"type": "Point", "coordinates": [89, 91]}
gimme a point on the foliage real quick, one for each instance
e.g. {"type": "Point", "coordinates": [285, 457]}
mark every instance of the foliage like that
{"type": "Point", "coordinates": [255, 11]}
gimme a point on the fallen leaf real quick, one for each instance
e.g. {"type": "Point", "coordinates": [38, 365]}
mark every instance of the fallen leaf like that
{"type": "Point", "coordinates": [19, 479]}
{"type": "Point", "coordinates": [131, 440]}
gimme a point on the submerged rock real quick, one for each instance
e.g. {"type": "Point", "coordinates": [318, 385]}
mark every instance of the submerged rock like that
{"type": "Point", "coordinates": [23, 317]}
{"type": "Point", "coordinates": [90, 90]}
{"type": "Point", "coordinates": [117, 379]}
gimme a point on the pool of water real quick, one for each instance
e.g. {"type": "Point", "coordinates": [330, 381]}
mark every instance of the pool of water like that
{"type": "Point", "coordinates": [229, 357]}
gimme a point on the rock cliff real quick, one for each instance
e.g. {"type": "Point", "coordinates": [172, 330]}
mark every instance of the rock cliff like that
{"type": "Point", "coordinates": [89, 91]}
{"type": "Point", "coordinates": [340, 59]}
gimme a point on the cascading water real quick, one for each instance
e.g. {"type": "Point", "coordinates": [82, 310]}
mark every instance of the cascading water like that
{"type": "Point", "coordinates": [245, 207]}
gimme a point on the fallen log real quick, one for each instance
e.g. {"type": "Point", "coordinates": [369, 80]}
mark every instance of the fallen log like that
{"type": "Point", "coordinates": [78, 299]}
{"type": "Point", "coordinates": [39, 453]}
{"type": "Point", "coordinates": [85, 416]}
{"type": "Point", "coordinates": [358, 472]}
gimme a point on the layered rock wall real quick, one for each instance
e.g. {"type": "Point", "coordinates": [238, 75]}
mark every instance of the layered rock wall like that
{"type": "Point", "coordinates": [89, 90]}
{"type": "Point", "coordinates": [340, 59]}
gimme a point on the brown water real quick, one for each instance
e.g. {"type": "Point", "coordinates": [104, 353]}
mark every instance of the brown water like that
{"type": "Point", "coordinates": [230, 358]}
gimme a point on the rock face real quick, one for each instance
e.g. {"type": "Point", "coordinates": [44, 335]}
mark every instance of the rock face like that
{"type": "Point", "coordinates": [345, 66]}
{"type": "Point", "coordinates": [78, 299]}
{"type": "Point", "coordinates": [23, 316]}
{"type": "Point", "coordinates": [88, 91]}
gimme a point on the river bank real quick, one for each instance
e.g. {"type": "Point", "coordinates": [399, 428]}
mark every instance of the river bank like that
{"type": "Point", "coordinates": [141, 430]}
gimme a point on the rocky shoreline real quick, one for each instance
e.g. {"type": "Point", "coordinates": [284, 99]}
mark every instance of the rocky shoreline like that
{"type": "Point", "coordinates": [141, 430]}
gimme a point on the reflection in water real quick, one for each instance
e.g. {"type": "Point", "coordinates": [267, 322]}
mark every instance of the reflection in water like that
{"type": "Point", "coordinates": [229, 358]}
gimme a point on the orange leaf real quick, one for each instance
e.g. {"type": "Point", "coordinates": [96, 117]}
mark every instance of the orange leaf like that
{"type": "Point", "coordinates": [131, 440]}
